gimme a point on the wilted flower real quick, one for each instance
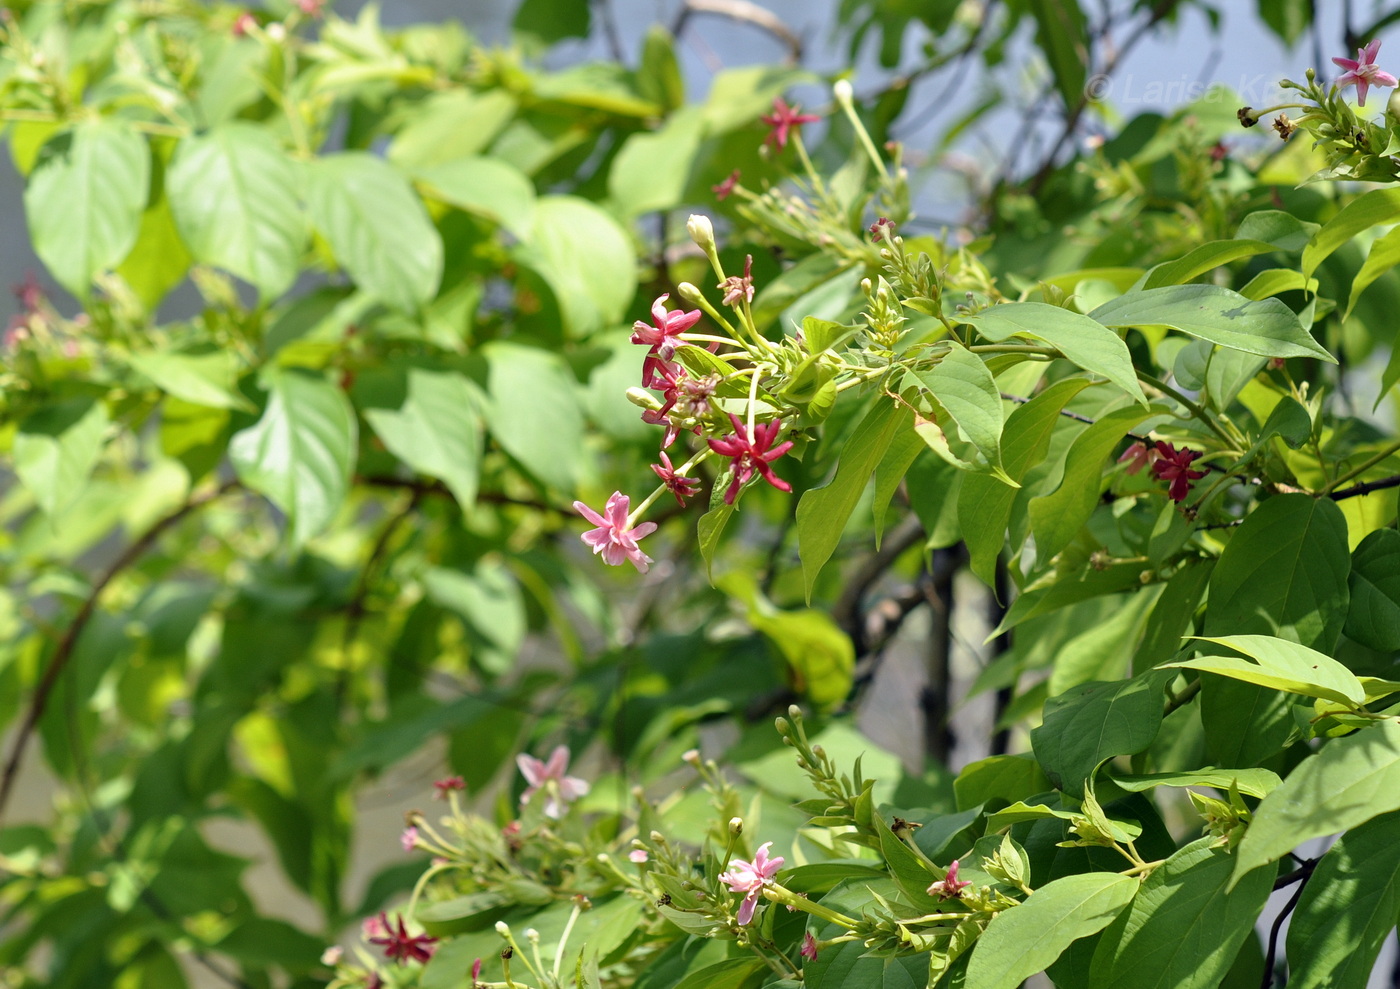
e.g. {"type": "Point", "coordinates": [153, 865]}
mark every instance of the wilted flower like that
{"type": "Point", "coordinates": [784, 119]}
{"type": "Point", "coordinates": [750, 877]}
{"type": "Point", "coordinates": [736, 288]}
{"type": "Point", "coordinates": [681, 487]}
{"type": "Point", "coordinates": [809, 947]}
{"type": "Point", "coordinates": [560, 790]}
{"type": "Point", "coordinates": [1363, 71]}
{"type": "Point", "coordinates": [950, 885]}
{"type": "Point", "coordinates": [612, 539]}
{"type": "Point", "coordinates": [441, 788]}
{"type": "Point", "coordinates": [723, 190]}
{"type": "Point", "coordinates": [1175, 466]}
{"type": "Point", "coordinates": [751, 454]}
{"type": "Point", "coordinates": [400, 945]}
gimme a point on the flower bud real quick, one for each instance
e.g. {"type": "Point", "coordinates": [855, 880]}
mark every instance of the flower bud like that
{"type": "Point", "coordinates": [502, 928]}
{"type": "Point", "coordinates": [690, 293]}
{"type": "Point", "coordinates": [736, 825]}
{"type": "Point", "coordinates": [782, 725]}
{"type": "Point", "coordinates": [691, 756]}
{"type": "Point", "coordinates": [532, 935]}
{"type": "Point", "coordinates": [643, 399]}
{"type": "Point", "coordinates": [841, 89]}
{"type": "Point", "coordinates": [701, 231]}
{"type": "Point", "coordinates": [794, 712]}
{"type": "Point", "coordinates": [1392, 107]}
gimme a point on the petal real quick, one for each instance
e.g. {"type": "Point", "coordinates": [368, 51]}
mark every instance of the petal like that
{"type": "Point", "coordinates": [571, 787]}
{"type": "Point", "coordinates": [614, 554]}
{"type": "Point", "coordinates": [1362, 85]}
{"type": "Point", "coordinates": [645, 529]}
{"type": "Point", "coordinates": [747, 908]}
{"type": "Point", "coordinates": [767, 474]}
{"type": "Point", "coordinates": [598, 538]}
{"type": "Point", "coordinates": [558, 762]}
{"type": "Point", "coordinates": [640, 560]}
{"type": "Point", "coordinates": [1347, 64]}
{"type": "Point", "coordinates": [589, 514]}
{"type": "Point", "coordinates": [616, 511]}
{"type": "Point", "coordinates": [531, 768]}
{"type": "Point", "coordinates": [1379, 78]}
{"type": "Point", "coordinates": [1368, 54]}
{"type": "Point", "coordinates": [658, 310]}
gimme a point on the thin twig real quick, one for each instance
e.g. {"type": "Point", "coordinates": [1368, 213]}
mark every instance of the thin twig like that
{"type": "Point", "coordinates": [746, 13]}
{"type": "Point", "coordinates": [1268, 979]}
{"type": "Point", "coordinates": [63, 652]}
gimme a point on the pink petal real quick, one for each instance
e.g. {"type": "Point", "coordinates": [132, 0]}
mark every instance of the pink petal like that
{"type": "Point", "coordinates": [598, 538]}
{"type": "Point", "coordinates": [1379, 78]}
{"type": "Point", "coordinates": [1368, 54]}
{"type": "Point", "coordinates": [1362, 85]}
{"type": "Point", "coordinates": [639, 560]}
{"type": "Point", "coordinates": [1347, 64]}
{"type": "Point", "coordinates": [746, 908]}
{"type": "Point", "coordinates": [614, 554]}
{"type": "Point", "coordinates": [589, 514]}
{"type": "Point", "coordinates": [617, 511]}
{"type": "Point", "coordinates": [531, 768]}
{"type": "Point", "coordinates": [658, 310]}
{"type": "Point", "coordinates": [558, 762]}
{"type": "Point", "coordinates": [645, 529]}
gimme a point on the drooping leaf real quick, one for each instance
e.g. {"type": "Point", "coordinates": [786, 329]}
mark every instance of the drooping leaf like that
{"type": "Point", "coordinates": [56, 449]}
{"type": "Point", "coordinates": [1373, 617]}
{"type": "Point", "coordinates": [85, 198]}
{"type": "Point", "coordinates": [301, 452]}
{"type": "Point", "coordinates": [1026, 939]}
{"type": "Point", "coordinates": [534, 412]}
{"type": "Point", "coordinates": [652, 167]}
{"type": "Point", "coordinates": [376, 226]}
{"type": "Point", "coordinates": [1267, 327]}
{"type": "Point", "coordinates": [234, 193]}
{"type": "Point", "coordinates": [963, 388]}
{"type": "Point", "coordinates": [436, 430]}
{"type": "Point", "coordinates": [1202, 259]}
{"type": "Point", "coordinates": [1365, 211]}
{"type": "Point", "coordinates": [489, 601]}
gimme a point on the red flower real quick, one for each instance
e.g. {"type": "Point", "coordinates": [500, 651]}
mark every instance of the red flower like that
{"type": "Point", "coordinates": [723, 190]}
{"type": "Point", "coordinates": [950, 885]}
{"type": "Point", "coordinates": [662, 337]}
{"type": "Point", "coordinates": [783, 119]}
{"type": "Point", "coordinates": [751, 454]}
{"type": "Point", "coordinates": [442, 788]}
{"type": "Point", "coordinates": [681, 487]}
{"type": "Point", "coordinates": [880, 229]}
{"type": "Point", "coordinates": [1175, 466]}
{"type": "Point", "coordinates": [399, 945]}
{"type": "Point", "coordinates": [1138, 456]}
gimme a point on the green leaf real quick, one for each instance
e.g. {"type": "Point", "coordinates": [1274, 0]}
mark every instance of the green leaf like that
{"type": "Point", "coordinates": [1281, 665]}
{"type": "Point", "coordinates": [709, 530]}
{"type": "Point", "coordinates": [376, 226]}
{"type": "Point", "coordinates": [56, 449]}
{"type": "Point", "coordinates": [1062, 36]}
{"type": "Point", "coordinates": [1287, 18]}
{"type": "Point", "coordinates": [85, 198]}
{"type": "Point", "coordinates": [1084, 341]}
{"type": "Point", "coordinates": [1277, 227]}
{"type": "Point", "coordinates": [732, 973]}
{"type": "Point", "coordinates": [1267, 328]}
{"type": "Point", "coordinates": [535, 412]}
{"type": "Point", "coordinates": [1383, 255]}
{"type": "Point", "coordinates": [1284, 573]}
{"type": "Point", "coordinates": [985, 503]}
{"type": "Point", "coordinates": [1056, 518]}
{"type": "Point", "coordinates": [1254, 782]}
{"type": "Point", "coordinates": [585, 257]}
{"type": "Point", "coordinates": [1202, 259]}
{"type": "Point", "coordinates": [1272, 281]}
{"type": "Point", "coordinates": [436, 430]}
{"type": "Point", "coordinates": [1183, 930]}
{"type": "Point", "coordinates": [542, 23]}
{"type": "Point", "coordinates": [159, 260]}
{"type": "Point", "coordinates": [1365, 211]}
{"type": "Point", "coordinates": [300, 453]}
{"type": "Point", "coordinates": [822, 512]}
{"type": "Point", "coordinates": [1095, 721]}
{"type": "Point", "coordinates": [450, 126]}
{"type": "Point", "coordinates": [485, 187]}
{"type": "Point", "coordinates": [489, 600]}
{"type": "Point", "coordinates": [234, 195]}
{"type": "Point", "coordinates": [1026, 939]}
{"type": "Point", "coordinates": [1349, 905]}
{"type": "Point", "coordinates": [1003, 777]}
{"type": "Point", "coordinates": [1373, 618]}
{"type": "Point", "coordinates": [209, 378]}
{"type": "Point", "coordinates": [652, 167]}
{"type": "Point", "coordinates": [963, 386]}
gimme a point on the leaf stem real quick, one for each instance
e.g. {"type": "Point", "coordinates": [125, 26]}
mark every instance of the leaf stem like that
{"type": "Point", "coordinates": [1370, 462]}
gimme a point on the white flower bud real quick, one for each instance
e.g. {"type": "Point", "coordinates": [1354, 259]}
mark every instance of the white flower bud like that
{"type": "Point", "coordinates": [701, 231]}
{"type": "Point", "coordinates": [736, 825]}
{"type": "Point", "coordinates": [841, 89]}
{"type": "Point", "coordinates": [502, 928]}
{"type": "Point", "coordinates": [689, 293]}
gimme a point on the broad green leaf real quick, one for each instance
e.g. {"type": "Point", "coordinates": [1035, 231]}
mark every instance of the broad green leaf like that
{"type": "Point", "coordinates": [1288, 19]}
{"type": "Point", "coordinates": [159, 260]}
{"type": "Point", "coordinates": [542, 23]}
{"type": "Point", "coordinates": [1365, 211]}
{"type": "Point", "coordinates": [1277, 227]}
{"type": "Point", "coordinates": [964, 387]}
{"type": "Point", "coordinates": [659, 74]}
{"type": "Point", "coordinates": [652, 167]}
{"type": "Point", "coordinates": [1284, 573]}
{"type": "Point", "coordinates": [985, 503]}
{"type": "Point", "coordinates": [85, 198]}
{"type": "Point", "coordinates": [436, 430]}
{"type": "Point", "coordinates": [1254, 782]}
{"type": "Point", "coordinates": [1095, 721]}
{"type": "Point", "coordinates": [889, 474]}
{"type": "Point", "coordinates": [451, 126]}
{"type": "Point", "coordinates": [1281, 665]}
{"type": "Point", "coordinates": [376, 227]}
{"type": "Point", "coordinates": [1272, 281]}
{"type": "Point", "coordinates": [732, 973]}
{"type": "Point", "coordinates": [1056, 518]}
{"type": "Point", "coordinates": [535, 412]}
{"type": "Point", "coordinates": [301, 452]}
{"type": "Point", "coordinates": [1349, 906]}
{"type": "Point", "coordinates": [56, 449]}
{"type": "Point", "coordinates": [822, 513]}
{"type": "Point", "coordinates": [1267, 328]}
{"type": "Point", "coordinates": [484, 186]}
{"type": "Point", "coordinates": [489, 601]}
{"type": "Point", "coordinates": [1383, 255]}
{"type": "Point", "coordinates": [234, 193]}
{"type": "Point", "coordinates": [1026, 939]}
{"type": "Point", "coordinates": [1373, 618]}
{"type": "Point", "coordinates": [1347, 782]}
{"type": "Point", "coordinates": [1202, 259]}
{"type": "Point", "coordinates": [1062, 35]}
{"type": "Point", "coordinates": [1084, 341]}
{"type": "Point", "coordinates": [1007, 777]}
{"type": "Point", "coordinates": [710, 528]}
{"type": "Point", "coordinates": [1184, 929]}
{"type": "Point", "coordinates": [850, 965]}
{"type": "Point", "coordinates": [209, 378]}
{"type": "Point", "coordinates": [586, 258]}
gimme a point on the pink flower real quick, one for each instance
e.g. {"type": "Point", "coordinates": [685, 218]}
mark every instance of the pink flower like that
{"type": "Point", "coordinates": [612, 539]}
{"type": "Point", "coordinates": [373, 927]}
{"type": "Point", "coordinates": [441, 788]}
{"type": "Point", "coordinates": [311, 8]}
{"type": "Point", "coordinates": [409, 839]}
{"type": "Point", "coordinates": [549, 776]}
{"type": "Point", "coordinates": [243, 24]}
{"type": "Point", "coordinates": [950, 885]}
{"type": "Point", "coordinates": [681, 487]}
{"type": "Point", "coordinates": [1138, 456]}
{"type": "Point", "coordinates": [783, 119]}
{"type": "Point", "coordinates": [880, 229]}
{"type": "Point", "coordinates": [809, 947]}
{"type": "Point", "coordinates": [1363, 71]}
{"type": "Point", "coordinates": [1175, 465]}
{"type": "Point", "coordinates": [665, 334]}
{"type": "Point", "coordinates": [750, 877]}
{"type": "Point", "coordinates": [637, 855]}
{"type": "Point", "coordinates": [398, 944]}
{"type": "Point", "coordinates": [736, 288]}
{"type": "Point", "coordinates": [726, 187]}
{"type": "Point", "coordinates": [751, 454]}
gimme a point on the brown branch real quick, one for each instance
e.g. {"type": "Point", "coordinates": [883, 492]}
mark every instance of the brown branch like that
{"type": "Point", "coordinates": [437, 488]}
{"type": "Point", "coordinates": [846, 611]}
{"type": "Point", "coordinates": [63, 652]}
{"type": "Point", "coordinates": [747, 13]}
{"type": "Point", "coordinates": [1365, 488]}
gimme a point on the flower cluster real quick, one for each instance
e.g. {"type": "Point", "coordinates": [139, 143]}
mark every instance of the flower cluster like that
{"type": "Point", "coordinates": [749, 878]}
